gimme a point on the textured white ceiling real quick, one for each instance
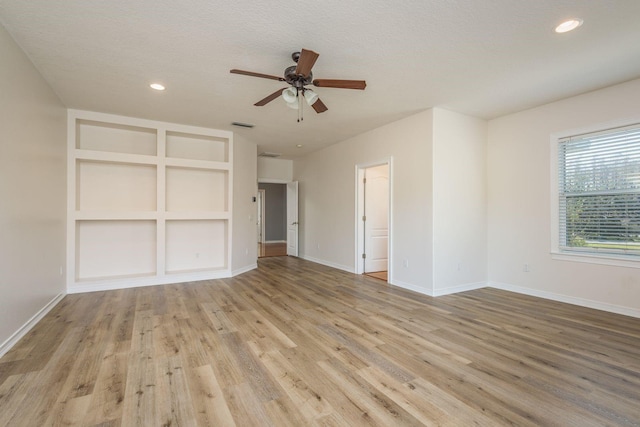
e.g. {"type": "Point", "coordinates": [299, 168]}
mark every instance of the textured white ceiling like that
{"type": "Point", "coordinates": [482, 58]}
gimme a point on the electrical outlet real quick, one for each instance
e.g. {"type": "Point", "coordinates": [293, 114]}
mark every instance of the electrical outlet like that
{"type": "Point", "coordinates": [459, 266]}
{"type": "Point", "coordinates": [526, 268]}
{"type": "Point", "coordinates": [61, 271]}
{"type": "Point", "coordinates": [405, 263]}
{"type": "Point", "coordinates": [246, 251]}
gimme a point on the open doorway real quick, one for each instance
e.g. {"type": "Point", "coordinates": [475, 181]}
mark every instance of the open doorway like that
{"type": "Point", "coordinates": [374, 211]}
{"type": "Point", "coordinates": [272, 213]}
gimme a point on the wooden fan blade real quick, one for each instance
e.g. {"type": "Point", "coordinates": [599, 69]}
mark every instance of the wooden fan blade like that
{"type": "Point", "coordinates": [269, 98]}
{"type": "Point", "coordinates": [252, 74]}
{"type": "Point", "coordinates": [305, 62]}
{"type": "Point", "coordinates": [341, 84]}
{"type": "Point", "coordinates": [319, 106]}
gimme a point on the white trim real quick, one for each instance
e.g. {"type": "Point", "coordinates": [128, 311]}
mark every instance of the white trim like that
{"type": "Point", "coordinates": [582, 302]}
{"type": "Point", "coordinates": [72, 116]}
{"type": "Point", "coordinates": [229, 242]}
{"type": "Point", "coordinates": [359, 208]}
{"type": "Point", "coordinates": [262, 197]}
{"type": "Point", "coordinates": [459, 288]}
{"type": "Point", "coordinates": [591, 258]}
{"type": "Point", "coordinates": [160, 215]}
{"type": "Point", "coordinates": [244, 269]}
{"type": "Point", "coordinates": [329, 264]}
{"type": "Point", "coordinates": [359, 228]}
{"type": "Point", "coordinates": [410, 287]}
{"type": "Point", "coordinates": [24, 329]}
{"type": "Point", "coordinates": [554, 139]}
{"type": "Point", "coordinates": [293, 217]}
{"type": "Point", "coordinates": [137, 122]}
{"type": "Point", "coordinates": [275, 241]}
{"type": "Point", "coordinates": [273, 181]}
{"type": "Point", "coordinates": [152, 280]}
{"type": "Point", "coordinates": [440, 292]}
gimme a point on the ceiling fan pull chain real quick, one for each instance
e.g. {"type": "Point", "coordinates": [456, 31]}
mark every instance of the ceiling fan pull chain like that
{"type": "Point", "coordinates": [300, 107]}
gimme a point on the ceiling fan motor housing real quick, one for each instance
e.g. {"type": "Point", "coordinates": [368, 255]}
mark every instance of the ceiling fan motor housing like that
{"type": "Point", "coordinates": [296, 80]}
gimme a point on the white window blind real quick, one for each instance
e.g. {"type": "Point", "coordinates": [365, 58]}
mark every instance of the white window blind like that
{"type": "Point", "coordinates": [599, 194]}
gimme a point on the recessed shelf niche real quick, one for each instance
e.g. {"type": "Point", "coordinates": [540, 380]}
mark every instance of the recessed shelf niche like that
{"type": "Point", "coordinates": [197, 147]}
{"type": "Point", "coordinates": [115, 249]}
{"type": "Point", "coordinates": [149, 202]}
{"type": "Point", "coordinates": [194, 245]}
{"type": "Point", "coordinates": [190, 189]}
{"type": "Point", "coordinates": [115, 138]}
{"type": "Point", "coordinates": [108, 186]}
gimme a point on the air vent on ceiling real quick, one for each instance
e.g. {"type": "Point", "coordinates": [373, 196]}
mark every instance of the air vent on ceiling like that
{"type": "Point", "coordinates": [243, 125]}
{"type": "Point", "coordinates": [267, 154]}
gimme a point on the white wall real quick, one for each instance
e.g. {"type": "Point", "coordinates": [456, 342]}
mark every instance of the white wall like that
{"type": "Point", "coordinates": [245, 188]}
{"type": "Point", "coordinates": [32, 191]}
{"type": "Point", "coordinates": [328, 199]}
{"type": "Point", "coordinates": [459, 202]}
{"type": "Point", "coordinates": [519, 196]}
{"type": "Point", "coordinates": [275, 170]}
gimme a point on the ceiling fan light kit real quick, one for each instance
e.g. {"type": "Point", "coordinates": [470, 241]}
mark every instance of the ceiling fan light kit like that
{"type": "Point", "coordinates": [298, 76]}
{"type": "Point", "coordinates": [290, 95]}
{"type": "Point", "coordinates": [310, 96]}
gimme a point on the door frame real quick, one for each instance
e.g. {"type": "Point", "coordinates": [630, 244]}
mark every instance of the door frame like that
{"type": "Point", "coordinates": [261, 214]}
{"type": "Point", "coordinates": [281, 181]}
{"type": "Point", "coordinates": [292, 219]}
{"type": "Point", "coordinates": [359, 225]}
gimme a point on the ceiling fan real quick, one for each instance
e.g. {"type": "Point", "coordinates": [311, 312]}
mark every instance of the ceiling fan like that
{"type": "Point", "coordinates": [298, 77]}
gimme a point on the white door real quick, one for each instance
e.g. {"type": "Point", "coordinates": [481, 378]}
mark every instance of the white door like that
{"type": "Point", "coordinates": [376, 224]}
{"type": "Point", "coordinates": [292, 218]}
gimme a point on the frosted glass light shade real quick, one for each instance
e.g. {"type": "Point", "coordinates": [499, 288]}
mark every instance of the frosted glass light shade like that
{"type": "Point", "coordinates": [290, 95]}
{"type": "Point", "coordinates": [310, 96]}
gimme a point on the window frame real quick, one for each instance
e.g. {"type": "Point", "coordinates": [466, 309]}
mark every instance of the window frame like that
{"type": "Point", "coordinates": [620, 260]}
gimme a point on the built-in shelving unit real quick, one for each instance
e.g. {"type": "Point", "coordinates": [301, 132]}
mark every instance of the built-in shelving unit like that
{"type": "Point", "coordinates": [149, 202]}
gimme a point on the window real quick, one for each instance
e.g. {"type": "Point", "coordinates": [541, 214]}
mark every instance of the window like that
{"type": "Point", "coordinates": [599, 192]}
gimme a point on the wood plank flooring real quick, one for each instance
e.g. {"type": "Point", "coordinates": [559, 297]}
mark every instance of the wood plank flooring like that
{"type": "Point", "coordinates": [298, 344]}
{"type": "Point", "coordinates": [272, 249]}
{"type": "Point", "coordinates": [381, 275]}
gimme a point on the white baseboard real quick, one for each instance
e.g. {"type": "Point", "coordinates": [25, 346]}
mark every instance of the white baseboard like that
{"type": "Point", "coordinates": [17, 335]}
{"type": "Point", "coordinates": [459, 288]}
{"type": "Point", "coordinates": [410, 287]}
{"type": "Point", "coordinates": [612, 308]}
{"type": "Point", "coordinates": [440, 292]}
{"type": "Point", "coordinates": [137, 282]}
{"type": "Point", "coordinates": [244, 269]}
{"type": "Point", "coordinates": [275, 241]}
{"type": "Point", "coordinates": [346, 268]}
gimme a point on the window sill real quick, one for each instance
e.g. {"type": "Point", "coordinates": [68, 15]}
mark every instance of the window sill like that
{"type": "Point", "coordinates": [618, 261]}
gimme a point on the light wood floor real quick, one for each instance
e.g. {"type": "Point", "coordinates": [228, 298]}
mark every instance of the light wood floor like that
{"type": "Point", "coordinates": [382, 275]}
{"type": "Point", "coordinates": [272, 249]}
{"type": "Point", "coordinates": [297, 344]}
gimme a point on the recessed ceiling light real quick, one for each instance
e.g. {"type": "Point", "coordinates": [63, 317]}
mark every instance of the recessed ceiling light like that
{"type": "Point", "coordinates": [156, 86]}
{"type": "Point", "coordinates": [299, 145]}
{"type": "Point", "coordinates": [568, 25]}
